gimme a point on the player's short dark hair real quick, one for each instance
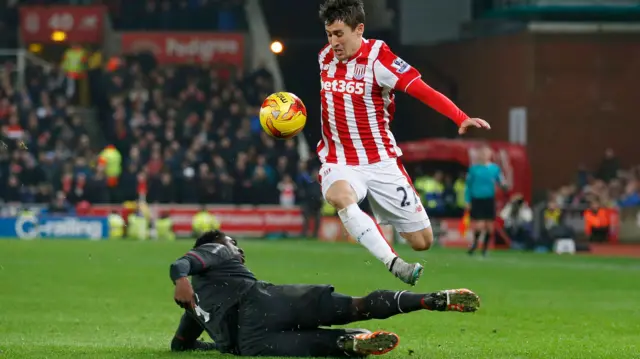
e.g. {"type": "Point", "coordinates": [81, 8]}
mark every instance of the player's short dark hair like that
{"type": "Point", "coordinates": [351, 12]}
{"type": "Point", "coordinates": [209, 237]}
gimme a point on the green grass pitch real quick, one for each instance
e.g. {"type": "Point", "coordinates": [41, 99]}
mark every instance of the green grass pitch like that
{"type": "Point", "coordinates": [81, 299]}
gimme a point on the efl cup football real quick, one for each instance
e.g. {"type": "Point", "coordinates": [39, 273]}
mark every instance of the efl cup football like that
{"type": "Point", "coordinates": [283, 115]}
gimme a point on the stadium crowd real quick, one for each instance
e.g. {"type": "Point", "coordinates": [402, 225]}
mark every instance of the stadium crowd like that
{"type": "Point", "coordinates": [46, 152]}
{"type": "Point", "coordinates": [192, 134]}
{"type": "Point", "coordinates": [610, 185]}
{"type": "Point", "coordinates": [187, 135]}
{"type": "Point", "coordinates": [594, 195]}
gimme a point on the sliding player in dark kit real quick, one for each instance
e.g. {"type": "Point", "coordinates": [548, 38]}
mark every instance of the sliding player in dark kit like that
{"type": "Point", "coordinates": [248, 317]}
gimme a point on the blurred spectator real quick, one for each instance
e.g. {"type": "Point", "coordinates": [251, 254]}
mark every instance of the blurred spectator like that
{"type": "Point", "coordinates": [13, 190]}
{"type": "Point", "coordinates": [310, 199]}
{"type": "Point", "coordinates": [431, 189]}
{"type": "Point", "coordinates": [583, 176]}
{"type": "Point", "coordinates": [287, 190]}
{"type": "Point", "coordinates": [260, 186]}
{"type": "Point", "coordinates": [631, 196]}
{"type": "Point", "coordinates": [553, 227]}
{"type": "Point", "coordinates": [162, 189]}
{"type": "Point", "coordinates": [552, 215]}
{"type": "Point", "coordinates": [609, 166]}
{"type": "Point", "coordinates": [59, 205]}
{"type": "Point", "coordinates": [450, 199]}
{"type": "Point", "coordinates": [596, 221]}
{"type": "Point", "coordinates": [518, 219]}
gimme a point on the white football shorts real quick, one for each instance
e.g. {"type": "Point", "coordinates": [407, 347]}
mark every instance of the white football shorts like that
{"type": "Point", "coordinates": [393, 199]}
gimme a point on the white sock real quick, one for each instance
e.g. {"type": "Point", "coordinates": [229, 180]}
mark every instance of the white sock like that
{"type": "Point", "coordinates": [361, 227]}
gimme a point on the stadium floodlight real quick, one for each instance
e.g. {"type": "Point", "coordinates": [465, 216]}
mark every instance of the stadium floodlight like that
{"type": "Point", "coordinates": [277, 47]}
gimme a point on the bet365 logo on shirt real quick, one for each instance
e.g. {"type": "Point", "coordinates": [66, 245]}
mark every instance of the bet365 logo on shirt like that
{"type": "Point", "coordinates": [400, 65]}
{"type": "Point", "coordinates": [342, 86]}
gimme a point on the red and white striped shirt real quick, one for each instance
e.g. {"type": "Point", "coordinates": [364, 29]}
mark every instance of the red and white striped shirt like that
{"type": "Point", "coordinates": [358, 104]}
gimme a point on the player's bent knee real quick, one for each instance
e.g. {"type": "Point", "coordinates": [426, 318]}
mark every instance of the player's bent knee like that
{"type": "Point", "coordinates": [341, 195]}
{"type": "Point", "coordinates": [420, 240]}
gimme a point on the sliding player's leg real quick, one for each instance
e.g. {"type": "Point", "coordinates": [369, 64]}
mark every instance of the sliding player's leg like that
{"type": "Point", "coordinates": [329, 308]}
{"type": "Point", "coordinates": [383, 304]}
{"type": "Point", "coordinates": [294, 313]}
{"type": "Point", "coordinates": [344, 188]}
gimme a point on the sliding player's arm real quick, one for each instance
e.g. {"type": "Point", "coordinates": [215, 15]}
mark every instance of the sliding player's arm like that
{"type": "Point", "coordinates": [194, 262]}
{"type": "Point", "coordinates": [393, 72]}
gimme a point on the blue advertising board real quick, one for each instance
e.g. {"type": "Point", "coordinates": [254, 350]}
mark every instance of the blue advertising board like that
{"type": "Point", "coordinates": [31, 227]}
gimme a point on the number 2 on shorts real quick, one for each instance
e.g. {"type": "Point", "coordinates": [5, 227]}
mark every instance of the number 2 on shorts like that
{"type": "Point", "coordinates": [405, 197]}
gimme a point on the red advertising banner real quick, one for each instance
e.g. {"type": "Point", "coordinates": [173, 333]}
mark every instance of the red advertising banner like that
{"type": "Point", "coordinates": [82, 24]}
{"type": "Point", "coordinates": [187, 47]}
{"type": "Point", "coordinates": [234, 220]}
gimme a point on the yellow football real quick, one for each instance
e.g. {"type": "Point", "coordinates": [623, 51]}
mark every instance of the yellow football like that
{"type": "Point", "coordinates": [283, 115]}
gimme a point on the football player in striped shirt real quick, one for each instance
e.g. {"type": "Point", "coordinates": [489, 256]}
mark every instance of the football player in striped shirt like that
{"type": "Point", "coordinates": [358, 152]}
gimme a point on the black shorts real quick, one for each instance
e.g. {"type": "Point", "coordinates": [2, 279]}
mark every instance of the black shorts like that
{"type": "Point", "coordinates": [269, 309]}
{"type": "Point", "coordinates": [298, 306]}
{"type": "Point", "coordinates": [483, 209]}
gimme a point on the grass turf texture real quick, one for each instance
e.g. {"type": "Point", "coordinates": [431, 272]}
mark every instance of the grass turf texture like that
{"type": "Point", "coordinates": [81, 299]}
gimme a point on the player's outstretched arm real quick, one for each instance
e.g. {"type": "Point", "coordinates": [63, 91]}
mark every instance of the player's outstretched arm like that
{"type": "Point", "coordinates": [194, 262]}
{"type": "Point", "coordinates": [179, 271]}
{"type": "Point", "coordinates": [441, 103]}
{"type": "Point", "coordinates": [394, 73]}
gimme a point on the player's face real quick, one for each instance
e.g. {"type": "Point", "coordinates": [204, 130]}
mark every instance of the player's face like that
{"type": "Point", "coordinates": [232, 244]}
{"type": "Point", "coordinates": [344, 40]}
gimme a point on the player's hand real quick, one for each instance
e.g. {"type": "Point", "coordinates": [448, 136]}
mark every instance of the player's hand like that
{"type": "Point", "coordinates": [473, 122]}
{"type": "Point", "coordinates": [183, 294]}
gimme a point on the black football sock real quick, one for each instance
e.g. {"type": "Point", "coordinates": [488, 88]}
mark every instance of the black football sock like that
{"type": "Point", "coordinates": [383, 304]}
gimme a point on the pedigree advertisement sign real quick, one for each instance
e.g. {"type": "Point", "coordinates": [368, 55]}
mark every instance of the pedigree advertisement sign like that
{"type": "Point", "coordinates": [187, 47]}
